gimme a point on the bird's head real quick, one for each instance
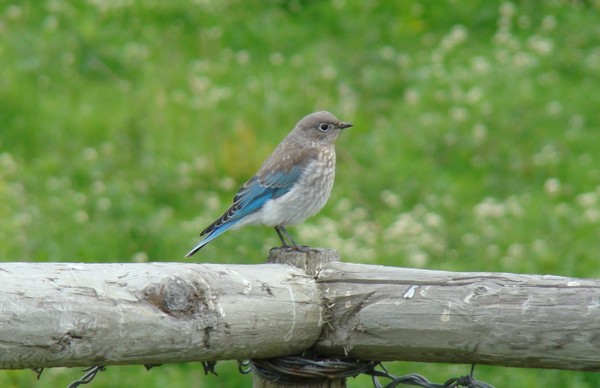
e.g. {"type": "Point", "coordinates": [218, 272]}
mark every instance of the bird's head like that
{"type": "Point", "coordinates": [320, 127]}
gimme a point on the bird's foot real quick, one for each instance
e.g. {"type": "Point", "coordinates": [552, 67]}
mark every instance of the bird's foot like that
{"type": "Point", "coordinates": [302, 248]}
{"type": "Point", "coordinates": [297, 248]}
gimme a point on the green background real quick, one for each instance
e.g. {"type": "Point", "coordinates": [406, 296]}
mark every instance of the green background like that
{"type": "Point", "coordinates": [127, 126]}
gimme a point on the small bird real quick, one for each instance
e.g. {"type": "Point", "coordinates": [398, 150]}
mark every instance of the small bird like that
{"type": "Point", "coordinates": [293, 184]}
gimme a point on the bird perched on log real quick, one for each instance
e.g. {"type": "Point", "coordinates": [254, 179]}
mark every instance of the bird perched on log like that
{"type": "Point", "coordinates": [293, 184]}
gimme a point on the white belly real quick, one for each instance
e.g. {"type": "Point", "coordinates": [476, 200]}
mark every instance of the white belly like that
{"type": "Point", "coordinates": [306, 198]}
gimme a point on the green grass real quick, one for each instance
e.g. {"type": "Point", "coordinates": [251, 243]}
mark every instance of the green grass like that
{"type": "Point", "coordinates": [127, 126]}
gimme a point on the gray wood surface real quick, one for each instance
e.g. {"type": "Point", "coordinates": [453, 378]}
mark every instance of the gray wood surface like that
{"type": "Point", "coordinates": [54, 314]}
{"type": "Point", "coordinates": [532, 321]}
{"type": "Point", "coordinates": [311, 261]}
{"type": "Point", "coordinates": [67, 314]}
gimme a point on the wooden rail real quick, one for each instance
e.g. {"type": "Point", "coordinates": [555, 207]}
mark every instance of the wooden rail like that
{"type": "Point", "coordinates": [74, 314]}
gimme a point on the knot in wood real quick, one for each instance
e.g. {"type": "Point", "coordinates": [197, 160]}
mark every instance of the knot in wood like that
{"type": "Point", "coordinates": [179, 297]}
{"type": "Point", "coordinates": [480, 290]}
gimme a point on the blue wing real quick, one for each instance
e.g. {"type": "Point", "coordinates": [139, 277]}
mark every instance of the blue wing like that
{"type": "Point", "coordinates": [251, 197]}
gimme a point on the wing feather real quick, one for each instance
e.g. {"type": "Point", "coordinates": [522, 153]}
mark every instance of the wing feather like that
{"type": "Point", "coordinates": [273, 180]}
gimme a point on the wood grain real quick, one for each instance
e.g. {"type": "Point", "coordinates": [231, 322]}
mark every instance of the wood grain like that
{"type": "Point", "coordinates": [67, 314]}
{"type": "Point", "coordinates": [533, 321]}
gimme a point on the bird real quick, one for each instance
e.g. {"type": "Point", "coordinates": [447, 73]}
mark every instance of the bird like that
{"type": "Point", "coordinates": [292, 184]}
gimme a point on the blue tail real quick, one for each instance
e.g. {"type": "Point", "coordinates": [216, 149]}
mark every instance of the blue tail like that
{"type": "Point", "coordinates": [211, 236]}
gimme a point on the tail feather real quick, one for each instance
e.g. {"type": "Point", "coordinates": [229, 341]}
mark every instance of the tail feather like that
{"type": "Point", "coordinates": [211, 236]}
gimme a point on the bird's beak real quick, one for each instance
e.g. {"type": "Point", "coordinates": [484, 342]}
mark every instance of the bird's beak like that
{"type": "Point", "coordinates": [344, 125]}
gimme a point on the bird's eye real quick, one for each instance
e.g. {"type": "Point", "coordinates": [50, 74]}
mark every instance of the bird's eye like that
{"type": "Point", "coordinates": [324, 127]}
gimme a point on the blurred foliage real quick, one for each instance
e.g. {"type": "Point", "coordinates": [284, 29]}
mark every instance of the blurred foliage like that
{"type": "Point", "coordinates": [126, 126]}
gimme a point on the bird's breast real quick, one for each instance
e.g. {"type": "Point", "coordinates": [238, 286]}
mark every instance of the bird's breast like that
{"type": "Point", "coordinates": [308, 195]}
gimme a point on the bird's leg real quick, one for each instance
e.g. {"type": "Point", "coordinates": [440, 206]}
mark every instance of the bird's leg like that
{"type": "Point", "coordinates": [281, 231]}
{"type": "Point", "coordinates": [294, 244]}
{"type": "Point", "coordinates": [283, 242]}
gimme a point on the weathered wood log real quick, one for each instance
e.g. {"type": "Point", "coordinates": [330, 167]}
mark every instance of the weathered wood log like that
{"type": "Point", "coordinates": [155, 313]}
{"type": "Point", "coordinates": [54, 314]}
{"type": "Point", "coordinates": [530, 321]}
{"type": "Point", "coordinates": [311, 261]}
